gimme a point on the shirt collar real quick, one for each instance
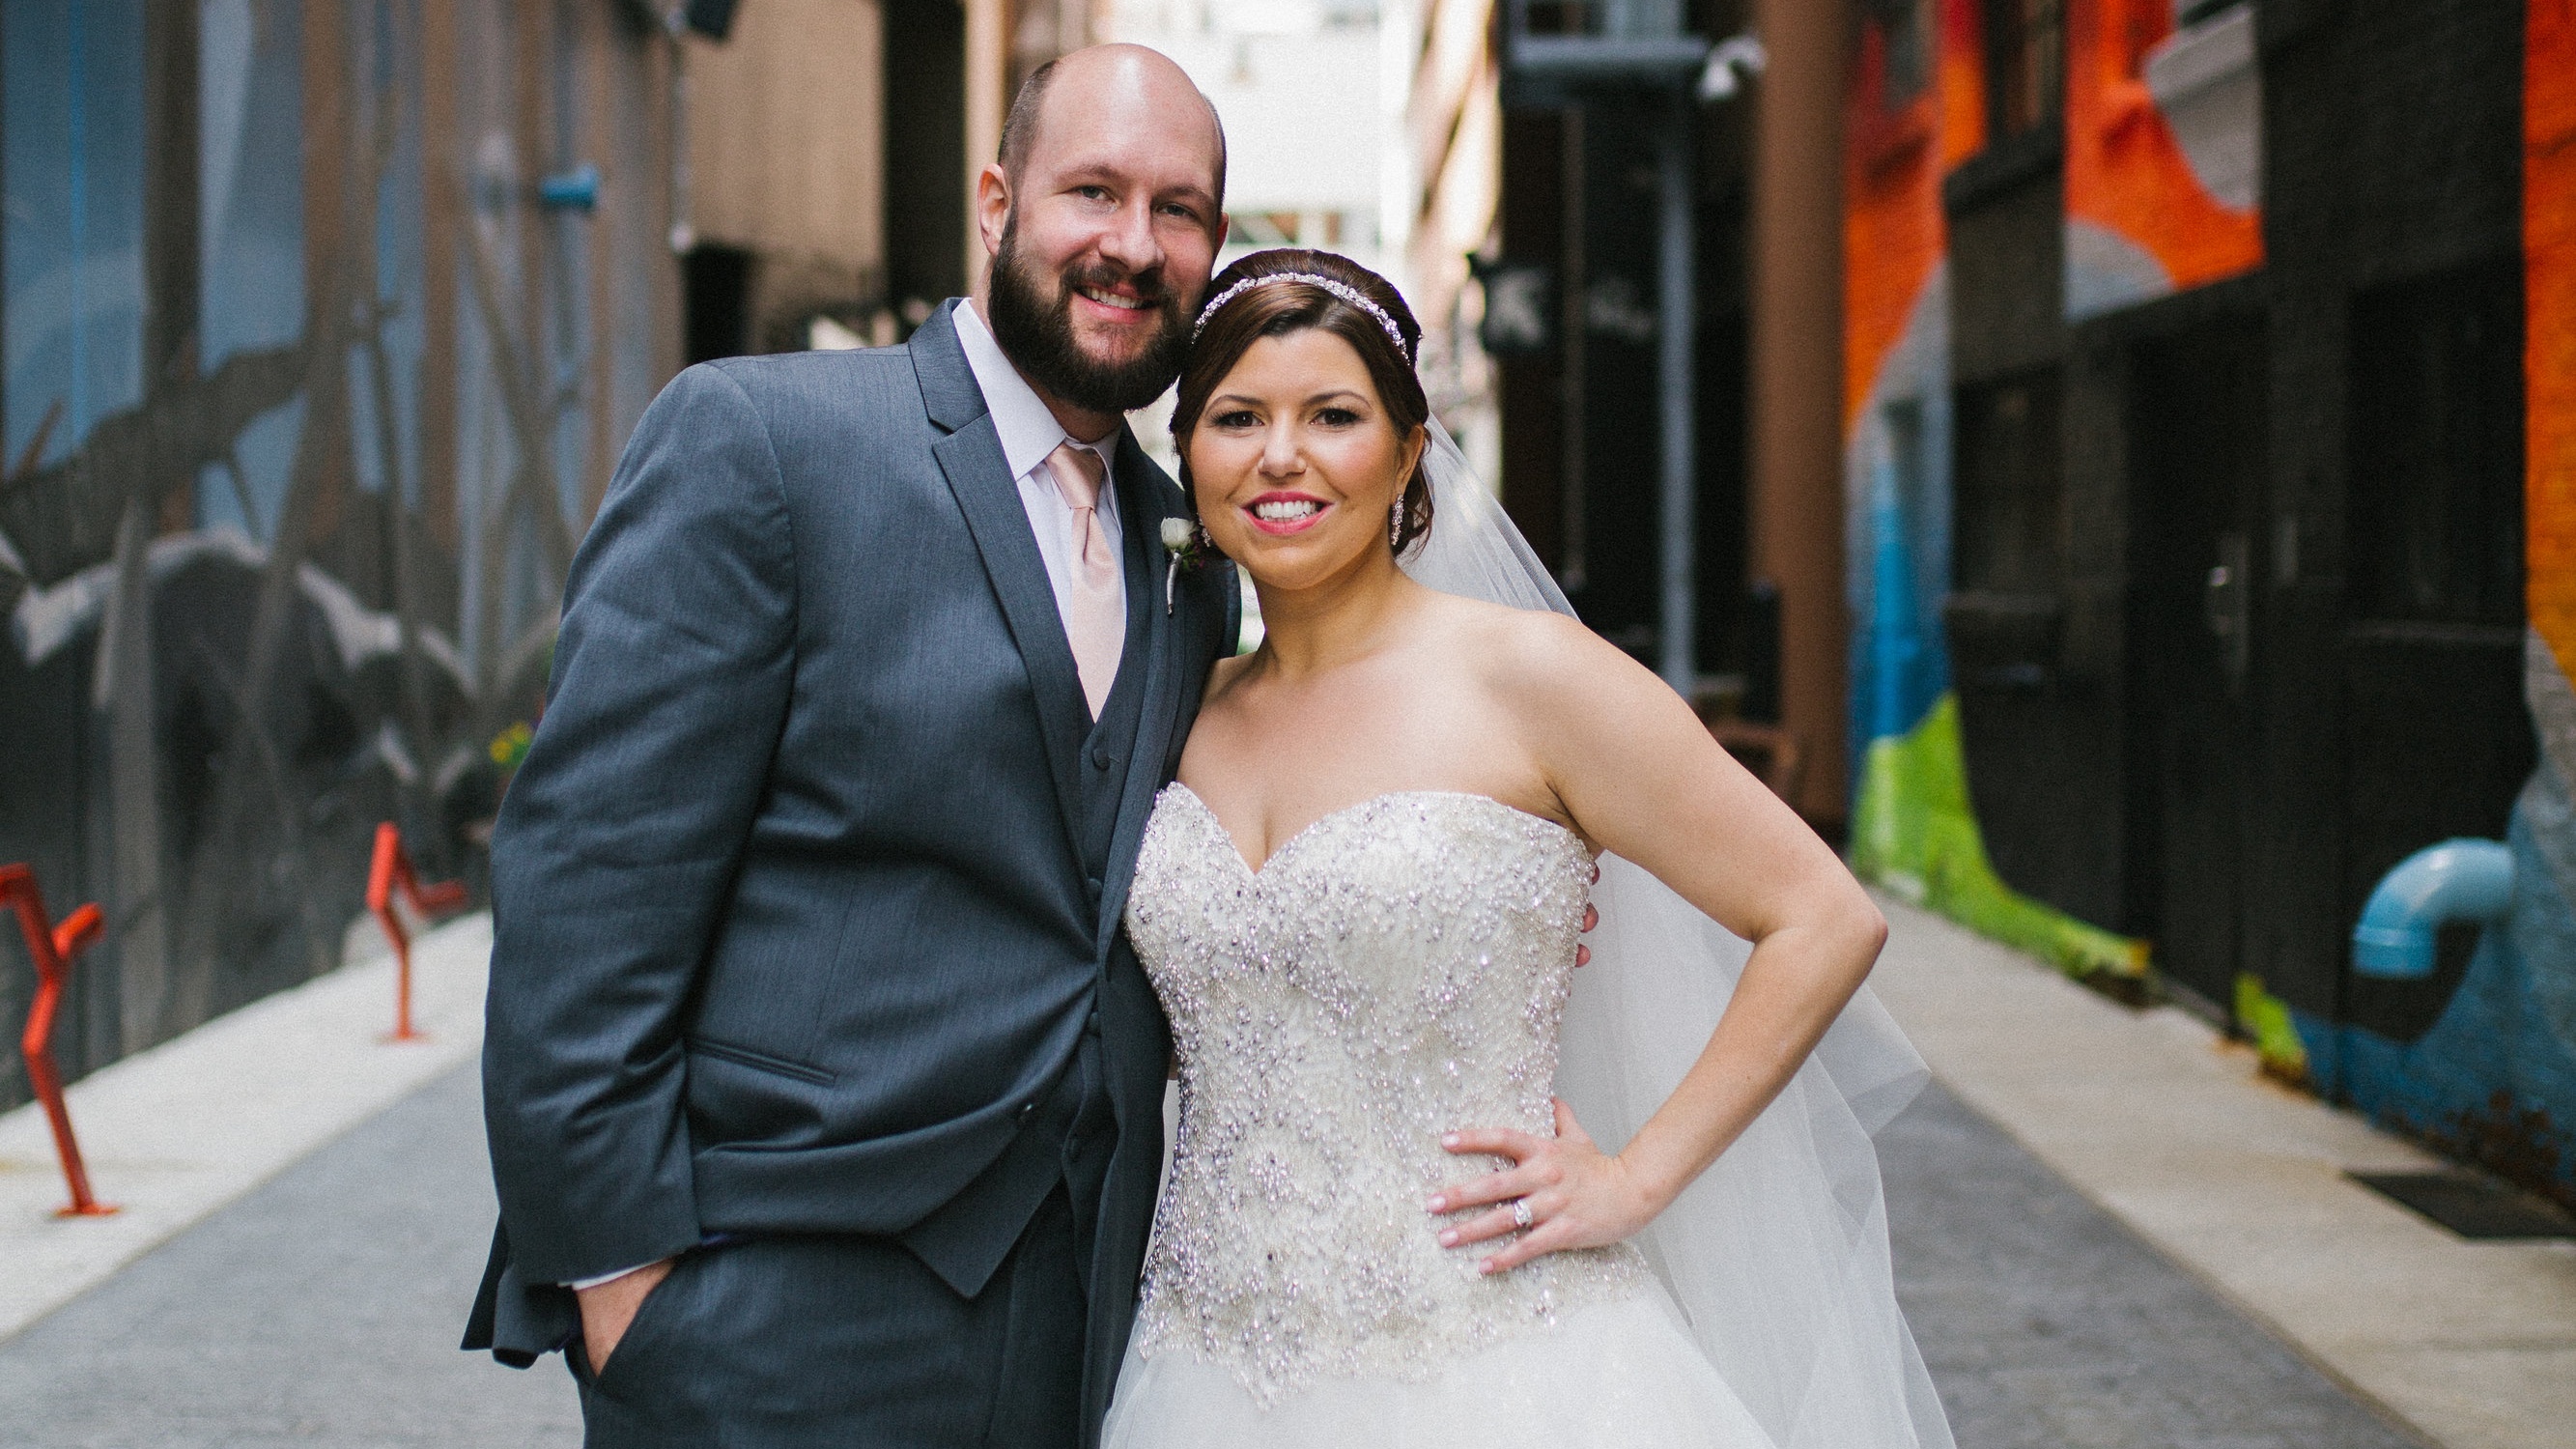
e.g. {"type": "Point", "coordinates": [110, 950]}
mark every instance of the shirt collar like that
{"type": "Point", "coordinates": [1028, 430]}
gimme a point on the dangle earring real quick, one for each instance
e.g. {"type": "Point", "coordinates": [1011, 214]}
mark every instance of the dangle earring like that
{"type": "Point", "coordinates": [1395, 526]}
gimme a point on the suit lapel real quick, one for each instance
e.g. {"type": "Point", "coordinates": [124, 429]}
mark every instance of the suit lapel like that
{"type": "Point", "coordinates": [1142, 508]}
{"type": "Point", "coordinates": [970, 456]}
{"type": "Point", "coordinates": [1141, 555]}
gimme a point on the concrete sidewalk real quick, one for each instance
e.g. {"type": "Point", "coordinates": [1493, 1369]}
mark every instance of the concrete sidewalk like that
{"type": "Point", "coordinates": [175, 1133]}
{"type": "Point", "coordinates": [2171, 1129]}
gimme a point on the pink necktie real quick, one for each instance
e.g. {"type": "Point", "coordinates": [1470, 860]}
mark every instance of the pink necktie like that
{"type": "Point", "coordinates": [1096, 621]}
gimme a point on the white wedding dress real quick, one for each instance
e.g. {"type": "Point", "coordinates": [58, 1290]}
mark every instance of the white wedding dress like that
{"type": "Point", "coordinates": [1395, 971]}
{"type": "Point", "coordinates": [1404, 968]}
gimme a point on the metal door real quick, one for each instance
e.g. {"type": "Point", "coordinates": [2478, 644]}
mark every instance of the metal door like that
{"type": "Point", "coordinates": [2197, 464]}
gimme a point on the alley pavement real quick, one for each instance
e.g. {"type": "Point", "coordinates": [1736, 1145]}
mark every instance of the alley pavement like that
{"type": "Point", "coordinates": [2174, 1131]}
{"type": "Point", "coordinates": [2048, 1325]}
{"type": "Point", "coordinates": [324, 1308]}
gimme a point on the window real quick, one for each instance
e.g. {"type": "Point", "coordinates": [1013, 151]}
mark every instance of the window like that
{"type": "Point", "coordinates": [2436, 445]}
{"type": "Point", "coordinates": [71, 160]}
{"type": "Point", "coordinates": [2008, 534]}
{"type": "Point", "coordinates": [2025, 66]}
{"type": "Point", "coordinates": [250, 245]}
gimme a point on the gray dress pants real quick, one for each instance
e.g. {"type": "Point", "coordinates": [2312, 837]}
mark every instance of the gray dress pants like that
{"type": "Point", "coordinates": [809, 1341]}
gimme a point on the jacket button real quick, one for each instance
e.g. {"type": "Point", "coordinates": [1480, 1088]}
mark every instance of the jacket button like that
{"type": "Point", "coordinates": [1101, 759]}
{"type": "Point", "coordinates": [1093, 885]}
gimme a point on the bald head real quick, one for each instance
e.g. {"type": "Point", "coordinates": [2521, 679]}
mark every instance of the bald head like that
{"type": "Point", "coordinates": [1133, 79]}
{"type": "Point", "coordinates": [1103, 216]}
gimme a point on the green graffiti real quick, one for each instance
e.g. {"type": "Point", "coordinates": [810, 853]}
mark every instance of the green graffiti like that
{"type": "Point", "coordinates": [1915, 834]}
{"type": "Point", "coordinates": [2266, 1018]}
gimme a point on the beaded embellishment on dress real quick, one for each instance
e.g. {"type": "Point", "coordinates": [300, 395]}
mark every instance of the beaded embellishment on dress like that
{"type": "Point", "coordinates": [1395, 971]}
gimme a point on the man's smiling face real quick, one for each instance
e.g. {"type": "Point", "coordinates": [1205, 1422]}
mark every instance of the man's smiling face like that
{"type": "Point", "coordinates": [1103, 241]}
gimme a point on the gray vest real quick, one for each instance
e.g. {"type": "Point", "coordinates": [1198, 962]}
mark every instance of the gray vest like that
{"type": "Point", "coordinates": [1068, 1134]}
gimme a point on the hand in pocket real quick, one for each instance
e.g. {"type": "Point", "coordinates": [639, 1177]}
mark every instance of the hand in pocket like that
{"type": "Point", "coordinates": [607, 1309]}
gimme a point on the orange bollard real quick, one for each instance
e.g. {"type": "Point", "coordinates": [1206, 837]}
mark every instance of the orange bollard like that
{"type": "Point", "coordinates": [52, 948]}
{"type": "Point", "coordinates": [389, 871]}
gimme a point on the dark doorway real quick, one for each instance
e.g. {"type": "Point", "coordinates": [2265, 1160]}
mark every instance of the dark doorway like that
{"type": "Point", "coordinates": [1622, 464]}
{"type": "Point", "coordinates": [925, 160]}
{"type": "Point", "coordinates": [2197, 430]}
{"type": "Point", "coordinates": [715, 294]}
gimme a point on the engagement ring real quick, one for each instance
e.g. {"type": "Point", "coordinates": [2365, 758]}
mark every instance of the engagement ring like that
{"type": "Point", "coordinates": [1520, 1212]}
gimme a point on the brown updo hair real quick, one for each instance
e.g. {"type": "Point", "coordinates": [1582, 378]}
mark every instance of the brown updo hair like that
{"type": "Point", "coordinates": [1276, 309]}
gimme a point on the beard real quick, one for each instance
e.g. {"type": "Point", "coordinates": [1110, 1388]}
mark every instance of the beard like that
{"type": "Point", "coordinates": [1036, 333]}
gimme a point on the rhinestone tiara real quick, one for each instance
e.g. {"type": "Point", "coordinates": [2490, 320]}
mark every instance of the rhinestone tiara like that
{"type": "Point", "coordinates": [1343, 290]}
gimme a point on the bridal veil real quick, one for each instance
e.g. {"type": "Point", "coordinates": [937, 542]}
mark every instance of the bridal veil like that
{"type": "Point", "coordinates": [1778, 1254]}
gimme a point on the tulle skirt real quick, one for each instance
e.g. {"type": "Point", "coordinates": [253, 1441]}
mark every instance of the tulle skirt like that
{"type": "Point", "coordinates": [1619, 1375]}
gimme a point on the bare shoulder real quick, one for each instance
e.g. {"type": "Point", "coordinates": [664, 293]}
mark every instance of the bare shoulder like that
{"type": "Point", "coordinates": [1539, 661]}
{"type": "Point", "coordinates": [1580, 709]}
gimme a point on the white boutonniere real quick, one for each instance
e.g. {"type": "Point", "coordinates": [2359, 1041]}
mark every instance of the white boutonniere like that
{"type": "Point", "coordinates": [1189, 546]}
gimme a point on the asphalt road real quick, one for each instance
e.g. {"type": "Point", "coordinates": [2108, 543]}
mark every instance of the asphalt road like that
{"type": "Point", "coordinates": [2048, 1325]}
{"type": "Point", "coordinates": [325, 1309]}
{"type": "Point", "coordinates": [322, 1309]}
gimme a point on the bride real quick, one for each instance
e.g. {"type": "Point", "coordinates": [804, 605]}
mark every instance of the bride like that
{"type": "Point", "coordinates": [1433, 1184]}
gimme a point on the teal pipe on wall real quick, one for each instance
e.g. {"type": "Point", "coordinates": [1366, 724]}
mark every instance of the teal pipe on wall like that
{"type": "Point", "coordinates": [2457, 880]}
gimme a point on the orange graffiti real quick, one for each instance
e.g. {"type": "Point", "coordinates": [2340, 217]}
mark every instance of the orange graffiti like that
{"type": "Point", "coordinates": [2549, 293]}
{"type": "Point", "coordinates": [1963, 82]}
{"type": "Point", "coordinates": [2125, 170]}
{"type": "Point", "coordinates": [1893, 160]}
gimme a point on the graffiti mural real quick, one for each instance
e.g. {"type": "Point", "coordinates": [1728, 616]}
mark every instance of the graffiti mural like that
{"type": "Point", "coordinates": [322, 318]}
{"type": "Point", "coordinates": [2494, 1078]}
{"type": "Point", "coordinates": [2158, 532]}
{"type": "Point", "coordinates": [1914, 111]}
{"type": "Point", "coordinates": [2164, 149]}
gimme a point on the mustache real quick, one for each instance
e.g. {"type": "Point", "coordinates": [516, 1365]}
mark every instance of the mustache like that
{"type": "Point", "coordinates": [1149, 285]}
{"type": "Point", "coordinates": [1036, 329]}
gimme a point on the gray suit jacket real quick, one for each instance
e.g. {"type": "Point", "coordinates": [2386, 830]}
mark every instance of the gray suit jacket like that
{"type": "Point", "coordinates": [799, 911]}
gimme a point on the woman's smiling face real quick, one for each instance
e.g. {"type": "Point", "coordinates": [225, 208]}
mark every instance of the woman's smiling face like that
{"type": "Point", "coordinates": [1294, 464]}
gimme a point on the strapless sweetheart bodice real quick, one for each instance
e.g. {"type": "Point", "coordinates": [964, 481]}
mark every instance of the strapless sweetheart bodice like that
{"type": "Point", "coordinates": [1395, 971]}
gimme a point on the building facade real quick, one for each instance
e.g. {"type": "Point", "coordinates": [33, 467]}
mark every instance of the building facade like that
{"type": "Point", "coordinates": [325, 322]}
{"type": "Point", "coordinates": [1573, 281]}
{"type": "Point", "coordinates": [2200, 383]}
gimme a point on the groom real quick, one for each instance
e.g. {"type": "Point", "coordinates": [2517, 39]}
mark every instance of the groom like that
{"type": "Point", "coordinates": [824, 1093]}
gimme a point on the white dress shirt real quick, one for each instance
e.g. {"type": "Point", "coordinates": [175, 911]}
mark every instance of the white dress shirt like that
{"type": "Point", "coordinates": [1029, 432]}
